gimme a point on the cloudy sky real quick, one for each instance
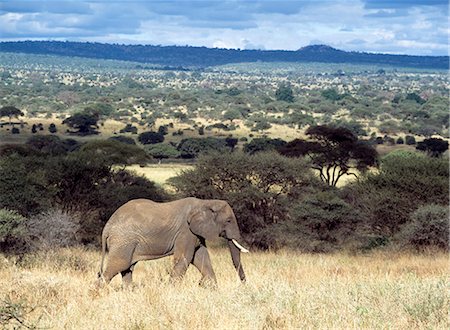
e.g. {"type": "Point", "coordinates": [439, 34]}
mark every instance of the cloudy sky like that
{"type": "Point", "coordinates": [416, 27]}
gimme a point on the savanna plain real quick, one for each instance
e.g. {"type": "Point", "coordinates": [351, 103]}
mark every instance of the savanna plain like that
{"type": "Point", "coordinates": [284, 290]}
{"type": "Point", "coordinates": [58, 112]}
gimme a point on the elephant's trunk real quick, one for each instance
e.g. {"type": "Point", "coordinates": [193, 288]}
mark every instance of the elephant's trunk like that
{"type": "Point", "coordinates": [236, 257]}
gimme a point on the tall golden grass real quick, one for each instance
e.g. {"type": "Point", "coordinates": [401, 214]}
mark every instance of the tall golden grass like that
{"type": "Point", "coordinates": [285, 290]}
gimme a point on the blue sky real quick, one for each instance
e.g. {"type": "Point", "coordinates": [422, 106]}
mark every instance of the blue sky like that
{"type": "Point", "coordinates": [416, 27]}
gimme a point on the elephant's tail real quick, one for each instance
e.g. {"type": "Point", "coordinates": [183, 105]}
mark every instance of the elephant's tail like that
{"type": "Point", "coordinates": [104, 249]}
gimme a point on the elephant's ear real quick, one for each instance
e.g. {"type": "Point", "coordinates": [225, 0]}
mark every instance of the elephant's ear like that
{"type": "Point", "coordinates": [202, 223]}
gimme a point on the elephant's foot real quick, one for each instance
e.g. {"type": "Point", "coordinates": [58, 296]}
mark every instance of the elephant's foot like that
{"type": "Point", "coordinates": [208, 283]}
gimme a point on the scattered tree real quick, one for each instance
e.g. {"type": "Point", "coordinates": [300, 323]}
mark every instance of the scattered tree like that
{"type": "Point", "coordinates": [83, 123]}
{"type": "Point", "coordinates": [10, 112]}
{"type": "Point", "coordinates": [434, 147]}
{"type": "Point", "coordinates": [334, 152]}
{"type": "Point", "coordinates": [151, 137]}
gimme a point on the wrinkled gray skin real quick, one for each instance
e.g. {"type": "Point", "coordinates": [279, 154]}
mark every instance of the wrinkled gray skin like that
{"type": "Point", "coordinates": [144, 230]}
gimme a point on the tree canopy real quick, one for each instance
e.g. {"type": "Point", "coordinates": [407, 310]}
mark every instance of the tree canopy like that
{"type": "Point", "coordinates": [10, 112]}
{"type": "Point", "coordinates": [334, 152]}
{"type": "Point", "coordinates": [83, 122]}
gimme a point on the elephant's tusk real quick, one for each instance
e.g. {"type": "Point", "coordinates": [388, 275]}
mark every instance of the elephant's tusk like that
{"type": "Point", "coordinates": [239, 246]}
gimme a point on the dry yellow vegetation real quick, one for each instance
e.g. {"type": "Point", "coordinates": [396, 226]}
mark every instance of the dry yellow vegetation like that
{"type": "Point", "coordinates": [285, 290]}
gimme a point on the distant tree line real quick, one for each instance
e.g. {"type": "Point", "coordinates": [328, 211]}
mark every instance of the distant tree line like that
{"type": "Point", "coordinates": [186, 56]}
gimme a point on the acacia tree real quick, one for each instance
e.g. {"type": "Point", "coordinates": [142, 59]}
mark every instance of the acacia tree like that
{"type": "Point", "coordinates": [84, 123]}
{"type": "Point", "coordinates": [434, 147]}
{"type": "Point", "coordinates": [10, 112]}
{"type": "Point", "coordinates": [334, 152]}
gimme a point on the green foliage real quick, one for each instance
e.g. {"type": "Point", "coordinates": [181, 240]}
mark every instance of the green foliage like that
{"type": "Point", "coordinates": [284, 93]}
{"type": "Point", "coordinates": [415, 97]}
{"type": "Point", "coordinates": [193, 147]}
{"type": "Point", "coordinates": [23, 186]}
{"type": "Point", "coordinates": [259, 187]}
{"type": "Point", "coordinates": [334, 151]}
{"type": "Point", "coordinates": [12, 226]}
{"type": "Point", "coordinates": [232, 114]}
{"type": "Point", "coordinates": [52, 128]}
{"type": "Point", "coordinates": [353, 126]}
{"type": "Point", "coordinates": [10, 111]}
{"type": "Point", "coordinates": [51, 144]}
{"type": "Point", "coordinates": [428, 227]}
{"type": "Point", "coordinates": [263, 144]}
{"type": "Point", "coordinates": [114, 152]}
{"type": "Point", "coordinates": [84, 123]}
{"type": "Point", "coordinates": [151, 137]}
{"type": "Point", "coordinates": [322, 221]}
{"type": "Point", "coordinates": [410, 140]}
{"type": "Point", "coordinates": [404, 181]}
{"type": "Point", "coordinates": [332, 94]}
{"type": "Point", "coordinates": [434, 147]}
{"type": "Point", "coordinates": [162, 150]}
{"type": "Point", "coordinates": [129, 129]}
{"type": "Point", "coordinates": [123, 139]}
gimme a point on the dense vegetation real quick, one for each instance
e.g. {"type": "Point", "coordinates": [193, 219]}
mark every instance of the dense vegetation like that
{"type": "Point", "coordinates": [277, 142]}
{"type": "Point", "coordinates": [185, 56]}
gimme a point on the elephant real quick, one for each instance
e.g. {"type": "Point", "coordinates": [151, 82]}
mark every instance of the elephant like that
{"type": "Point", "coordinates": [142, 229]}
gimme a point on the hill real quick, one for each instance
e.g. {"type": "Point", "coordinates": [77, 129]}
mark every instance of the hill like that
{"type": "Point", "coordinates": [187, 56]}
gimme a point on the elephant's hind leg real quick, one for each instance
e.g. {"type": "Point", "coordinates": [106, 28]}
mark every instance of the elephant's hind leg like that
{"type": "Point", "coordinates": [127, 276]}
{"type": "Point", "coordinates": [202, 262]}
{"type": "Point", "coordinates": [119, 261]}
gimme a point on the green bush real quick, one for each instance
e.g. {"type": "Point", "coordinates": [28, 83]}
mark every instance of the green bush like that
{"type": "Point", "coordinates": [23, 186]}
{"type": "Point", "coordinates": [260, 187]}
{"type": "Point", "coordinates": [193, 147]}
{"type": "Point", "coordinates": [13, 231]}
{"type": "Point", "coordinates": [428, 227]}
{"type": "Point", "coordinates": [405, 180]}
{"type": "Point", "coordinates": [322, 222]}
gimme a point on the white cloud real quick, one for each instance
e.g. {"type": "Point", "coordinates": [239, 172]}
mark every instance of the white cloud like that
{"type": "Point", "coordinates": [410, 27]}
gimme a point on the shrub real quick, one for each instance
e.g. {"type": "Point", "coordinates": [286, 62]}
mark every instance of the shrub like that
{"type": "Point", "coordinates": [193, 147]}
{"type": "Point", "coordinates": [23, 186]}
{"type": "Point", "coordinates": [263, 144]}
{"type": "Point", "coordinates": [129, 129]}
{"type": "Point", "coordinates": [52, 128]}
{"type": "Point", "coordinates": [434, 147]}
{"type": "Point", "coordinates": [259, 187]}
{"type": "Point", "coordinates": [410, 140]}
{"type": "Point", "coordinates": [53, 228]}
{"type": "Point", "coordinates": [162, 150]}
{"type": "Point", "coordinates": [405, 180]}
{"type": "Point", "coordinates": [151, 137]}
{"type": "Point", "coordinates": [324, 221]}
{"type": "Point", "coordinates": [123, 139]}
{"type": "Point", "coordinates": [12, 231]}
{"type": "Point", "coordinates": [428, 227]}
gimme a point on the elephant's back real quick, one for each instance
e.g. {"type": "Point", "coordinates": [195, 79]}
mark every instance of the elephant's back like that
{"type": "Point", "coordinates": [143, 212]}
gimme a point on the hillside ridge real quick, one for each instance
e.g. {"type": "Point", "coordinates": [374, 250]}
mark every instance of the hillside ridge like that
{"type": "Point", "coordinates": [190, 56]}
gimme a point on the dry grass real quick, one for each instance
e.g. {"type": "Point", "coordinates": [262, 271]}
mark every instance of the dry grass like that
{"type": "Point", "coordinates": [159, 173]}
{"type": "Point", "coordinates": [285, 290]}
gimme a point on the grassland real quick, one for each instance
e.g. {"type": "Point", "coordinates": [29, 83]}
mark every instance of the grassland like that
{"type": "Point", "coordinates": [285, 290]}
{"type": "Point", "coordinates": [159, 173]}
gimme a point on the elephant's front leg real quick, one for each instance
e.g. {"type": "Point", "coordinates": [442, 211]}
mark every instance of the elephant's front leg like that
{"type": "Point", "coordinates": [202, 262]}
{"type": "Point", "coordinates": [183, 254]}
